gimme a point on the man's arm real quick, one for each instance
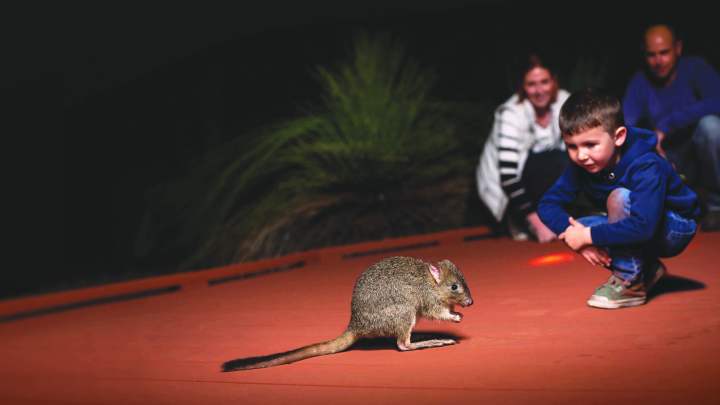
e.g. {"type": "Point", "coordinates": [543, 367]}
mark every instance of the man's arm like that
{"type": "Point", "coordinates": [705, 82]}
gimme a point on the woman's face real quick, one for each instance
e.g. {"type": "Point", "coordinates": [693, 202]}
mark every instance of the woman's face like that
{"type": "Point", "coordinates": [540, 87]}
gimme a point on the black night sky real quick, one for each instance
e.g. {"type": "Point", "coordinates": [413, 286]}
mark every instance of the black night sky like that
{"type": "Point", "coordinates": [113, 97]}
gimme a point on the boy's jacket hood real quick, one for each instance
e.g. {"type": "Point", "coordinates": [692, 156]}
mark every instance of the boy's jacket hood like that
{"type": "Point", "coordinates": [638, 142]}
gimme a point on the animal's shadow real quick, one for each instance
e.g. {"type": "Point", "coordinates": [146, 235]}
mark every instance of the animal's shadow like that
{"type": "Point", "coordinates": [362, 344]}
{"type": "Point", "coordinates": [389, 343]}
{"type": "Point", "coordinates": [672, 284]}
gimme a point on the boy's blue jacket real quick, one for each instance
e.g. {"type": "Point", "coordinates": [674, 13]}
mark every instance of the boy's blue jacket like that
{"type": "Point", "coordinates": [653, 183]}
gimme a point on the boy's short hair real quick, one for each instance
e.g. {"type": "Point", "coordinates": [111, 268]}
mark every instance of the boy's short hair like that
{"type": "Point", "coordinates": [590, 108]}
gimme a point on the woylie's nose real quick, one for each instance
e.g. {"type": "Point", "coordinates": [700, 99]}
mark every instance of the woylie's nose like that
{"type": "Point", "coordinates": [468, 301]}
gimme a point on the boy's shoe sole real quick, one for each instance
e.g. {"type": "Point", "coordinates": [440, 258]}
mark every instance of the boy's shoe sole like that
{"type": "Point", "coordinates": [598, 301]}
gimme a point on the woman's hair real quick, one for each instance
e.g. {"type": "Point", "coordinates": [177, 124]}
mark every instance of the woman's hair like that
{"type": "Point", "coordinates": [532, 61]}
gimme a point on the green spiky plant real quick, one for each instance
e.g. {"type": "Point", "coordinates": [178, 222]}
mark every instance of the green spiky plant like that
{"type": "Point", "coordinates": [377, 158]}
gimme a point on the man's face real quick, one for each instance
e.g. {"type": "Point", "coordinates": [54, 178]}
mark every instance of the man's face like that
{"type": "Point", "coordinates": [594, 149]}
{"type": "Point", "coordinates": [540, 87]}
{"type": "Point", "coordinates": [661, 53]}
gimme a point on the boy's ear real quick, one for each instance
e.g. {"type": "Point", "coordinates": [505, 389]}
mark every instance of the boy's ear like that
{"type": "Point", "coordinates": [620, 136]}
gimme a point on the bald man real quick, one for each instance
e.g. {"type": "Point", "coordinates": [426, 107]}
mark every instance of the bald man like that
{"type": "Point", "coordinates": [679, 97]}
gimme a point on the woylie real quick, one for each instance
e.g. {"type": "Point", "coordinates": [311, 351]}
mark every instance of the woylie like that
{"type": "Point", "coordinates": [387, 300]}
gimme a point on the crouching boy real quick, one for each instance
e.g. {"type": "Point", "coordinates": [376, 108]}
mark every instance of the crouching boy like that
{"type": "Point", "coordinates": [650, 211]}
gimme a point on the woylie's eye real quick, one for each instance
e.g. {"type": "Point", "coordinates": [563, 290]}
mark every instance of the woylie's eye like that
{"type": "Point", "coordinates": [454, 287]}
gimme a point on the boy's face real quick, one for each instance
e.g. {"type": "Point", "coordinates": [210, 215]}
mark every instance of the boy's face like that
{"type": "Point", "coordinates": [595, 149]}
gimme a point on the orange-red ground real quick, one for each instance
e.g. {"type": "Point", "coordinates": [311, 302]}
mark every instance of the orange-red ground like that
{"type": "Point", "coordinates": [529, 338]}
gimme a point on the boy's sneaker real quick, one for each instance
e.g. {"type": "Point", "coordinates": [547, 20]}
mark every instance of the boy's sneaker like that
{"type": "Point", "coordinates": [618, 293]}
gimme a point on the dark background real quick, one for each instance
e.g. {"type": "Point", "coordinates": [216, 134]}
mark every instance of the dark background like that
{"type": "Point", "coordinates": [103, 100]}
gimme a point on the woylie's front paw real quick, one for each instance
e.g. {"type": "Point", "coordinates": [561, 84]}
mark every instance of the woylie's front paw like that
{"type": "Point", "coordinates": [456, 317]}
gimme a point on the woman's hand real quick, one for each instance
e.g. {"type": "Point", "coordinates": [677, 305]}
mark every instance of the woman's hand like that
{"type": "Point", "coordinates": [542, 232]}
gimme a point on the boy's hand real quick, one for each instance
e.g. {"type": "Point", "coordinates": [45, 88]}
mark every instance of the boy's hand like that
{"type": "Point", "coordinates": [595, 256]}
{"type": "Point", "coordinates": [576, 235]}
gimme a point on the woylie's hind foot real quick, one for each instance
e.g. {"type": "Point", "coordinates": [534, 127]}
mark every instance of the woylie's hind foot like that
{"type": "Point", "coordinates": [405, 346]}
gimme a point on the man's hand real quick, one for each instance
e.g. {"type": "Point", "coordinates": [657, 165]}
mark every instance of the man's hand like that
{"type": "Point", "coordinates": [595, 256]}
{"type": "Point", "coordinates": [576, 235]}
{"type": "Point", "coordinates": [542, 232]}
{"type": "Point", "coordinates": [660, 138]}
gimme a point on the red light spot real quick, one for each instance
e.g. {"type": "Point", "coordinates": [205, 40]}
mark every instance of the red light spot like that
{"type": "Point", "coordinates": [554, 258]}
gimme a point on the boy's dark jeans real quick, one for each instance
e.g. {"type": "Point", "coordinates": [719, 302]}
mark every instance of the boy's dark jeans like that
{"type": "Point", "coordinates": [629, 262]}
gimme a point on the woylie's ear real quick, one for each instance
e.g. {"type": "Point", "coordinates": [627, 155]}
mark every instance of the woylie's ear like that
{"type": "Point", "coordinates": [435, 272]}
{"type": "Point", "coordinates": [447, 264]}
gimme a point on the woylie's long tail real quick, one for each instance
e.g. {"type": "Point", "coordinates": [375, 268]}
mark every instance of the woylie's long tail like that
{"type": "Point", "coordinates": [340, 343]}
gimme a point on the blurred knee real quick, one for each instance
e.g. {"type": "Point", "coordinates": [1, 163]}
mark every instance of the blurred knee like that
{"type": "Point", "coordinates": [618, 204]}
{"type": "Point", "coordinates": [707, 132]}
